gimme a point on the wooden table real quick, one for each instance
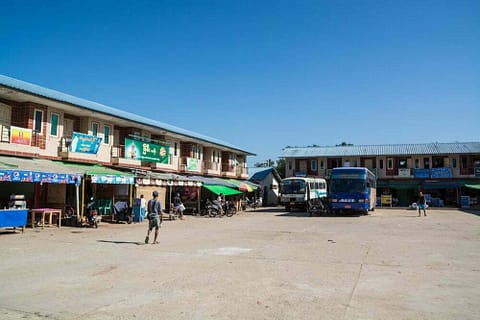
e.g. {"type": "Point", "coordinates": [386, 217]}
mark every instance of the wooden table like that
{"type": "Point", "coordinates": [46, 212]}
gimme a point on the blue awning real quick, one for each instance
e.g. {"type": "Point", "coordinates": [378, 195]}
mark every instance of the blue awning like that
{"type": "Point", "coordinates": [14, 169]}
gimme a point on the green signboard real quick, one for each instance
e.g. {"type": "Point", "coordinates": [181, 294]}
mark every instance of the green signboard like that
{"type": "Point", "coordinates": [192, 164]}
{"type": "Point", "coordinates": [144, 151]}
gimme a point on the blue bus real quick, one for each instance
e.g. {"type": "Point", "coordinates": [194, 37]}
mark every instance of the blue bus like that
{"type": "Point", "coordinates": [352, 190]}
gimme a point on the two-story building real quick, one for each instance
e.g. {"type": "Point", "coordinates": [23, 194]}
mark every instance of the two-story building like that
{"type": "Point", "coordinates": [65, 149]}
{"type": "Point", "coordinates": [443, 170]}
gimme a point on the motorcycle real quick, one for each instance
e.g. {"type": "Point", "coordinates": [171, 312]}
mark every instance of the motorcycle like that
{"type": "Point", "coordinates": [91, 214]}
{"type": "Point", "coordinates": [229, 208]}
{"type": "Point", "coordinates": [212, 209]}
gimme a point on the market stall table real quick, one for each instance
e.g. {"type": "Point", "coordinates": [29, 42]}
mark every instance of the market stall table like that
{"type": "Point", "coordinates": [46, 212]}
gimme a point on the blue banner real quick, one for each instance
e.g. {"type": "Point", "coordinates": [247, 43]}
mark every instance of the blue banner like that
{"type": "Point", "coordinates": [476, 172]}
{"type": "Point", "coordinates": [43, 177]}
{"type": "Point", "coordinates": [441, 173]}
{"type": "Point", "coordinates": [422, 173]}
{"type": "Point", "coordinates": [108, 179]}
{"type": "Point", "coordinates": [85, 143]}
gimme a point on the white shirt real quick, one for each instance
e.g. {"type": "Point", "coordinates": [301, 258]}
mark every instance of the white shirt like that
{"type": "Point", "coordinates": [143, 203]}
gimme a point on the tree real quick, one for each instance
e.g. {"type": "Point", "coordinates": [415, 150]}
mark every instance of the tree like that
{"type": "Point", "coordinates": [344, 144]}
{"type": "Point", "coordinates": [265, 164]}
{"type": "Point", "coordinates": [280, 167]}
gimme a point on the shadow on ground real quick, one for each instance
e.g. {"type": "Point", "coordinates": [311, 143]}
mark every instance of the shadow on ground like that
{"type": "Point", "coordinates": [121, 242]}
{"type": "Point", "coordinates": [471, 211]}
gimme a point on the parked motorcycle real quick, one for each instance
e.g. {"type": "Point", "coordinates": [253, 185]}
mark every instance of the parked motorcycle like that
{"type": "Point", "coordinates": [229, 208]}
{"type": "Point", "coordinates": [91, 214]}
{"type": "Point", "coordinates": [212, 209]}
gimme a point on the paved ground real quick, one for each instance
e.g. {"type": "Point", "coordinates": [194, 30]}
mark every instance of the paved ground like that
{"type": "Point", "coordinates": [256, 265]}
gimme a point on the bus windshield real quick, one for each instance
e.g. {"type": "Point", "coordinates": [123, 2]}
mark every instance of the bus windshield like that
{"type": "Point", "coordinates": [348, 185]}
{"type": "Point", "coordinates": [293, 187]}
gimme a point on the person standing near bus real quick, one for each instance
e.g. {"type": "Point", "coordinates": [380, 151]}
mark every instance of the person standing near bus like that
{"type": "Point", "coordinates": [421, 203]}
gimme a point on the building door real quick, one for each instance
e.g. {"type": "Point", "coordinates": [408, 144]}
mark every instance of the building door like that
{"type": "Point", "coordinates": [369, 164]}
{"type": "Point", "coordinates": [302, 166]}
{"type": "Point", "coordinates": [67, 127]}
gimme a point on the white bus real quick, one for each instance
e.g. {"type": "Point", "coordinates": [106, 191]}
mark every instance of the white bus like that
{"type": "Point", "coordinates": [301, 192]}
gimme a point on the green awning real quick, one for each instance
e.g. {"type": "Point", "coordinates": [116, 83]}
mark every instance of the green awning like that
{"type": "Point", "coordinates": [221, 189]}
{"type": "Point", "coordinates": [101, 174]}
{"type": "Point", "coordinates": [96, 169]}
{"type": "Point", "coordinates": [473, 186]}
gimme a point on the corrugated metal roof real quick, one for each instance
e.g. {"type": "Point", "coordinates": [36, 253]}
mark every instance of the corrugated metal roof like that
{"type": "Point", "coordinates": [261, 174]}
{"type": "Point", "coordinates": [381, 150]}
{"type": "Point", "coordinates": [63, 97]}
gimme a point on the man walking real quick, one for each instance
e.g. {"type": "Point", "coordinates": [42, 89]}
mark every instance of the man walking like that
{"type": "Point", "coordinates": [154, 208]}
{"type": "Point", "coordinates": [421, 203]}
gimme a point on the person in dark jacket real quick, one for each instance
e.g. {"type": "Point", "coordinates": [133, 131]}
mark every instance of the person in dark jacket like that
{"type": "Point", "coordinates": [154, 208]}
{"type": "Point", "coordinates": [421, 204]}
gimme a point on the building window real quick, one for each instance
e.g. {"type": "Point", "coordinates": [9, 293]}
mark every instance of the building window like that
{"type": "Point", "coordinates": [106, 134]}
{"type": "Point", "coordinates": [5, 114]}
{"type": "Point", "coordinates": [322, 164]}
{"type": "Point", "coordinates": [389, 164]}
{"type": "Point", "coordinates": [289, 165]}
{"type": "Point", "coordinates": [402, 163]}
{"type": "Point", "coordinates": [54, 117]}
{"type": "Point", "coordinates": [454, 162]}
{"type": "Point", "coordinates": [94, 129]}
{"type": "Point", "coordinates": [175, 146]}
{"type": "Point", "coordinates": [313, 165]}
{"type": "Point", "coordinates": [426, 163]}
{"type": "Point", "coordinates": [37, 125]}
{"type": "Point", "coordinates": [381, 164]}
{"type": "Point", "coordinates": [355, 163]}
{"type": "Point", "coordinates": [417, 163]}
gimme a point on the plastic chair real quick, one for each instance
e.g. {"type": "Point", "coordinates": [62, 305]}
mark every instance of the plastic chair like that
{"type": "Point", "coordinates": [99, 205]}
{"type": "Point", "coordinates": [107, 207]}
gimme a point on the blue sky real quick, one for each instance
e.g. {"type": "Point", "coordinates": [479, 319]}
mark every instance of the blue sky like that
{"type": "Point", "coordinates": [262, 75]}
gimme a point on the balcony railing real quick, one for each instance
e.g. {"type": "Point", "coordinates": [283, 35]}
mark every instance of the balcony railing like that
{"type": "Point", "coordinates": [469, 171]}
{"type": "Point", "coordinates": [188, 164]}
{"type": "Point", "coordinates": [65, 142]}
{"type": "Point", "coordinates": [4, 133]}
{"type": "Point", "coordinates": [227, 167]}
{"type": "Point", "coordinates": [241, 171]}
{"type": "Point", "coordinates": [211, 165]}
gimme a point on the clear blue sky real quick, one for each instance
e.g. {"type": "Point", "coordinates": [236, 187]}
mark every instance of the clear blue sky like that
{"type": "Point", "coordinates": [262, 75]}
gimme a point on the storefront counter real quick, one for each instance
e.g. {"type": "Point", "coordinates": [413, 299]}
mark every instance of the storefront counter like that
{"type": "Point", "coordinates": [13, 218]}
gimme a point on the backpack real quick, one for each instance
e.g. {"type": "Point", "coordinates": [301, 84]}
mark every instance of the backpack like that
{"type": "Point", "coordinates": [150, 208]}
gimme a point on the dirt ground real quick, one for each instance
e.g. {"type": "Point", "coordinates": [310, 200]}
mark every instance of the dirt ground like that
{"type": "Point", "coordinates": [256, 265]}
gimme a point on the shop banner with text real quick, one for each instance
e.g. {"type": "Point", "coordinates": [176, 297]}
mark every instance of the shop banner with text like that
{"type": "Point", "coordinates": [85, 143]}
{"type": "Point", "coordinates": [144, 151]}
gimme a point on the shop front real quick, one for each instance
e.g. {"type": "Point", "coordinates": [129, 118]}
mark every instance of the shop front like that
{"type": "Point", "coordinates": [105, 185]}
{"type": "Point", "coordinates": [168, 185]}
{"type": "Point", "coordinates": [36, 184]}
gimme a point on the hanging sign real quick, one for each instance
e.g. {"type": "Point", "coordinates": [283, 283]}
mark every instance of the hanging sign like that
{"type": "Point", "coordinates": [151, 152]}
{"type": "Point", "coordinates": [20, 136]}
{"type": "Point", "coordinates": [192, 164]}
{"type": "Point", "coordinates": [85, 143]}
